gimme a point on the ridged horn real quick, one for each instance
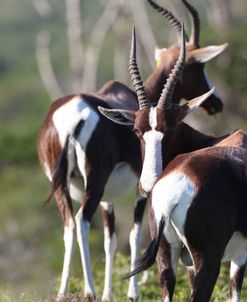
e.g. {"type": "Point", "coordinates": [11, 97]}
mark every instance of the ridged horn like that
{"type": "Point", "coordinates": [135, 75]}
{"type": "Point", "coordinates": [165, 100]}
{"type": "Point", "coordinates": [195, 27]}
{"type": "Point", "coordinates": [170, 18]}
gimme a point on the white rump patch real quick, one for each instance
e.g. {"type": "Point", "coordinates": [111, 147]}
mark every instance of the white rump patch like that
{"type": "Point", "coordinates": [172, 195]}
{"type": "Point", "coordinates": [66, 118]}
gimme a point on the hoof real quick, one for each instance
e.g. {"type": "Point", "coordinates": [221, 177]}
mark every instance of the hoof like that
{"type": "Point", "coordinates": [133, 295]}
{"type": "Point", "coordinates": [61, 298]}
{"type": "Point", "coordinates": [90, 298]}
{"type": "Point", "coordinates": [107, 298]}
{"type": "Point", "coordinates": [136, 299]}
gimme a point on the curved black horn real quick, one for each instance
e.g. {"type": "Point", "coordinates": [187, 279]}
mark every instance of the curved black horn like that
{"type": "Point", "coordinates": [166, 95]}
{"type": "Point", "coordinates": [135, 75]}
{"type": "Point", "coordinates": [171, 19]}
{"type": "Point", "coordinates": [195, 30]}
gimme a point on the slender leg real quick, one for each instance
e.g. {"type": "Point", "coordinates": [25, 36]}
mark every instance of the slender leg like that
{"type": "Point", "coordinates": [191, 275]}
{"type": "Point", "coordinates": [207, 272]}
{"type": "Point", "coordinates": [110, 245]}
{"type": "Point", "coordinates": [82, 229]}
{"type": "Point", "coordinates": [186, 259]}
{"type": "Point", "coordinates": [96, 180]}
{"type": "Point", "coordinates": [166, 258]}
{"type": "Point", "coordinates": [135, 246]}
{"type": "Point", "coordinates": [236, 275]}
{"type": "Point", "coordinates": [69, 238]}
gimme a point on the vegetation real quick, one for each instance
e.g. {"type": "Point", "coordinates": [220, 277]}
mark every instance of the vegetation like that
{"type": "Point", "coordinates": [149, 288]}
{"type": "Point", "coordinates": [31, 246]}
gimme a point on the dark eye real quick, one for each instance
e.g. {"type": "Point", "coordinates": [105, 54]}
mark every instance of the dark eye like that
{"type": "Point", "coordinates": [138, 132]}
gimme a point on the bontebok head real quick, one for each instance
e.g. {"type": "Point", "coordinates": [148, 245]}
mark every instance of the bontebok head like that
{"type": "Point", "coordinates": [193, 81]}
{"type": "Point", "coordinates": [156, 125]}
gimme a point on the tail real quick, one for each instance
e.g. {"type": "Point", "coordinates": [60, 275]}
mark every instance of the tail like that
{"type": "Point", "coordinates": [59, 177]}
{"type": "Point", "coordinates": [148, 259]}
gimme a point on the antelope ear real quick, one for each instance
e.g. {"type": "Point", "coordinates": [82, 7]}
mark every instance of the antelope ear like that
{"type": "Point", "coordinates": [195, 103]}
{"type": "Point", "coordinates": [202, 55]}
{"type": "Point", "coordinates": [119, 116]}
{"type": "Point", "coordinates": [157, 53]}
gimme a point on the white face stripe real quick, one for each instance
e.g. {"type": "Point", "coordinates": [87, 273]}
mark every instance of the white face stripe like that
{"type": "Point", "coordinates": [152, 164]}
{"type": "Point", "coordinates": [153, 117]}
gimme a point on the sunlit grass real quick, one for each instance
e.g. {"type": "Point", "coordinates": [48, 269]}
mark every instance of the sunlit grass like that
{"type": "Point", "coordinates": [149, 291]}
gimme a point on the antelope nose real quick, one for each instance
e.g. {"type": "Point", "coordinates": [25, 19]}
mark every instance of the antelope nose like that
{"type": "Point", "coordinates": [213, 104]}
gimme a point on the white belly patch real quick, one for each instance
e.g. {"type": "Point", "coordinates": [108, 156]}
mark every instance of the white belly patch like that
{"type": "Point", "coordinates": [121, 182]}
{"type": "Point", "coordinates": [236, 246]}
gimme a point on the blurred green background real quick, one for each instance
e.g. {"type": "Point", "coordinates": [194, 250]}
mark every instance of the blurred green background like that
{"type": "Point", "coordinates": [31, 245]}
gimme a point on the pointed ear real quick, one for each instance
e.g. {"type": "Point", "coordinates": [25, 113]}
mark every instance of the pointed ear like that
{"type": "Point", "coordinates": [195, 103]}
{"type": "Point", "coordinates": [157, 53]}
{"type": "Point", "coordinates": [202, 55]}
{"type": "Point", "coordinates": [119, 116]}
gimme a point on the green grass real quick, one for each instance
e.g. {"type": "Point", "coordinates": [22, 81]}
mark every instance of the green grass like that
{"type": "Point", "coordinates": [149, 291]}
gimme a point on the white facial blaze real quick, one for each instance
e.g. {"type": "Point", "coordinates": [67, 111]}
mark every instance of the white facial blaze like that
{"type": "Point", "coordinates": [152, 164]}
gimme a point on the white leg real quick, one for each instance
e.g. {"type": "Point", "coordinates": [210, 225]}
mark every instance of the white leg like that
{"type": "Point", "coordinates": [82, 228]}
{"type": "Point", "coordinates": [69, 236]}
{"type": "Point", "coordinates": [110, 245]}
{"type": "Point", "coordinates": [236, 276]}
{"type": "Point", "coordinates": [135, 245]}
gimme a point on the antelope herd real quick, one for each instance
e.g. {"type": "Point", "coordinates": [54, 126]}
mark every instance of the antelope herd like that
{"type": "Point", "coordinates": [193, 183]}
